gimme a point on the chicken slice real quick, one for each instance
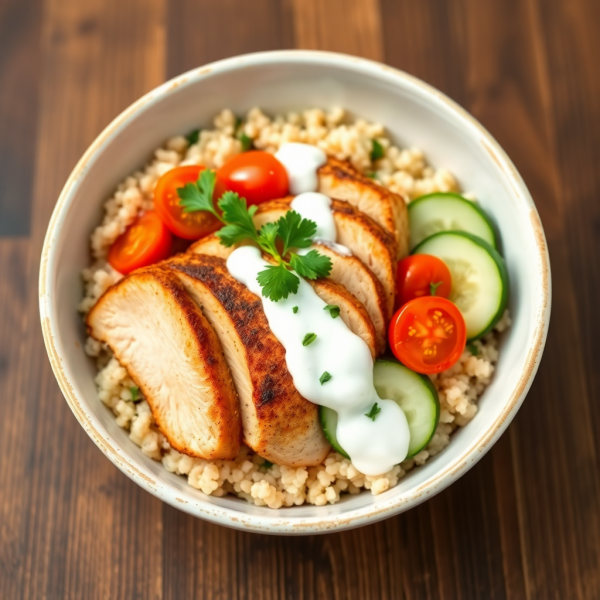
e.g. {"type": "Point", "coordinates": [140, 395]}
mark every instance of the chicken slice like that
{"type": "Point", "coordinates": [339, 179]}
{"type": "Point", "coordinates": [277, 422]}
{"type": "Point", "coordinates": [352, 311]}
{"type": "Point", "coordinates": [161, 337]}
{"type": "Point", "coordinates": [368, 241]}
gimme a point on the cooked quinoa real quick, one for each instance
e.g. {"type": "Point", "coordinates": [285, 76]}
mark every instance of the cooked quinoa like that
{"type": "Point", "coordinates": [404, 171]}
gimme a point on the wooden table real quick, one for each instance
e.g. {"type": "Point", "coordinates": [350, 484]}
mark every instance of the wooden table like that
{"type": "Point", "coordinates": [524, 523]}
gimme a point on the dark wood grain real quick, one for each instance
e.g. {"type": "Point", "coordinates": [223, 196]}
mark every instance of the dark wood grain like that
{"type": "Point", "coordinates": [524, 523]}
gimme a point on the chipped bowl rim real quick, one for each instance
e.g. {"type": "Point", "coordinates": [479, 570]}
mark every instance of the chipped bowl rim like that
{"type": "Point", "coordinates": [276, 521]}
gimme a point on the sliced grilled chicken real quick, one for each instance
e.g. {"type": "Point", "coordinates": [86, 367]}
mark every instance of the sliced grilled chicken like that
{"type": "Point", "coordinates": [352, 311]}
{"type": "Point", "coordinates": [366, 239]}
{"type": "Point", "coordinates": [158, 333]}
{"type": "Point", "coordinates": [349, 271]}
{"type": "Point", "coordinates": [339, 179]}
{"type": "Point", "coordinates": [277, 422]}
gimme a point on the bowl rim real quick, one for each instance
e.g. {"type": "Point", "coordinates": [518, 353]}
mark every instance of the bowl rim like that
{"type": "Point", "coordinates": [277, 522]}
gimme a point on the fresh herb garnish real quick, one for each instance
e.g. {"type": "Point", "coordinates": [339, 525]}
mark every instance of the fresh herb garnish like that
{"type": "Point", "coordinates": [192, 137]}
{"type": "Point", "coordinates": [325, 377]}
{"type": "Point", "coordinates": [376, 150]}
{"type": "Point", "coordinates": [473, 349]}
{"type": "Point", "coordinates": [309, 338]}
{"type": "Point", "coordinates": [135, 393]}
{"type": "Point", "coordinates": [371, 174]}
{"type": "Point", "coordinates": [295, 309]}
{"type": "Point", "coordinates": [290, 232]}
{"type": "Point", "coordinates": [433, 287]}
{"type": "Point", "coordinates": [375, 410]}
{"type": "Point", "coordinates": [267, 464]}
{"type": "Point", "coordinates": [334, 310]}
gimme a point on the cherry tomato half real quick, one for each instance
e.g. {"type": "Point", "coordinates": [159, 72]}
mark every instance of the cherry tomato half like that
{"type": "Point", "coordinates": [145, 242]}
{"type": "Point", "coordinates": [422, 275]}
{"type": "Point", "coordinates": [257, 176]}
{"type": "Point", "coordinates": [188, 225]}
{"type": "Point", "coordinates": [428, 334]}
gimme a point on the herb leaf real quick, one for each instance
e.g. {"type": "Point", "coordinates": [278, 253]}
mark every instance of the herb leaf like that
{"type": "Point", "coordinates": [473, 349]}
{"type": "Point", "coordinates": [295, 309]}
{"type": "Point", "coordinates": [238, 218]}
{"type": "Point", "coordinates": [192, 137]}
{"type": "Point", "coordinates": [277, 282]}
{"type": "Point", "coordinates": [199, 195]}
{"type": "Point", "coordinates": [334, 310]}
{"type": "Point", "coordinates": [245, 141]}
{"type": "Point", "coordinates": [267, 464]}
{"type": "Point", "coordinates": [325, 377]}
{"type": "Point", "coordinates": [434, 286]}
{"type": "Point", "coordinates": [309, 338]}
{"type": "Point", "coordinates": [376, 150]}
{"type": "Point", "coordinates": [311, 265]}
{"type": "Point", "coordinates": [375, 410]}
{"type": "Point", "coordinates": [295, 231]}
{"type": "Point", "coordinates": [135, 393]}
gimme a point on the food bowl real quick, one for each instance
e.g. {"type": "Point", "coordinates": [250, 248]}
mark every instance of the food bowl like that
{"type": "Point", "coordinates": [414, 114]}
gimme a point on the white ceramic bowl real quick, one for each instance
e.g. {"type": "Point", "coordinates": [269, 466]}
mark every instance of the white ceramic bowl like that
{"type": "Point", "coordinates": [415, 115]}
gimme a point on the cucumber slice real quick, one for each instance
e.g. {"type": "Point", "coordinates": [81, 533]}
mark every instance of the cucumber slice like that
{"type": "Point", "coordinates": [415, 395]}
{"type": "Point", "coordinates": [329, 419]}
{"type": "Point", "coordinates": [479, 277]}
{"type": "Point", "coordinates": [447, 212]}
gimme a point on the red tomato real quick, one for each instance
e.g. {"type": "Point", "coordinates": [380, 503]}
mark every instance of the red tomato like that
{"type": "Point", "coordinates": [422, 275]}
{"type": "Point", "coordinates": [257, 176]}
{"type": "Point", "coordinates": [188, 225]}
{"type": "Point", "coordinates": [428, 334]}
{"type": "Point", "coordinates": [145, 242]}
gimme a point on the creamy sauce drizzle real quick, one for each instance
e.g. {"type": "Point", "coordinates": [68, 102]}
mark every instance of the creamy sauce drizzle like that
{"type": "Point", "coordinates": [374, 446]}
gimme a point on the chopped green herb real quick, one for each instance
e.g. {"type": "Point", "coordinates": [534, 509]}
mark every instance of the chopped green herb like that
{"type": "Point", "coordinates": [325, 377]}
{"type": "Point", "coordinates": [334, 310]}
{"type": "Point", "coordinates": [267, 464]}
{"type": "Point", "coordinates": [376, 150]}
{"type": "Point", "coordinates": [375, 410]}
{"type": "Point", "coordinates": [473, 349]}
{"type": "Point", "coordinates": [238, 122]}
{"type": "Point", "coordinates": [192, 137]}
{"type": "Point", "coordinates": [309, 338]}
{"type": "Point", "coordinates": [135, 393]}
{"type": "Point", "coordinates": [295, 309]}
{"type": "Point", "coordinates": [434, 286]}
{"type": "Point", "coordinates": [371, 175]}
{"type": "Point", "coordinates": [245, 141]}
{"type": "Point", "coordinates": [290, 232]}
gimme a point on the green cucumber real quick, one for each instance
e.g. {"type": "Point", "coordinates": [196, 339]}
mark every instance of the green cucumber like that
{"type": "Point", "coordinates": [479, 277]}
{"type": "Point", "coordinates": [414, 394]}
{"type": "Point", "coordinates": [447, 212]}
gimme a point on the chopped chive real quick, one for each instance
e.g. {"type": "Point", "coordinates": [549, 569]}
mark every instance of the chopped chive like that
{"type": "Point", "coordinates": [246, 142]}
{"type": "Point", "coordinates": [135, 393]}
{"type": "Point", "coordinates": [192, 137]}
{"type": "Point", "coordinates": [473, 349]}
{"type": "Point", "coordinates": [309, 338]}
{"type": "Point", "coordinates": [375, 410]}
{"type": "Point", "coordinates": [376, 150]}
{"type": "Point", "coordinates": [325, 377]}
{"type": "Point", "coordinates": [334, 310]}
{"type": "Point", "coordinates": [295, 309]}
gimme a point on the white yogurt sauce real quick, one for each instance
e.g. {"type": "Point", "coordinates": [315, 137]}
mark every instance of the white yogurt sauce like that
{"type": "Point", "coordinates": [301, 162]}
{"type": "Point", "coordinates": [375, 446]}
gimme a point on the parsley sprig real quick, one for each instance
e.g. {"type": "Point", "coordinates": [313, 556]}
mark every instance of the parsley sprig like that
{"type": "Point", "coordinates": [279, 240]}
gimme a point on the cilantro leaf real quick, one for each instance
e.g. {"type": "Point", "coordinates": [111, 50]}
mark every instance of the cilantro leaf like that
{"type": "Point", "coordinates": [245, 141]}
{"type": "Point", "coordinates": [376, 150]}
{"type": "Point", "coordinates": [311, 265]}
{"type": "Point", "coordinates": [309, 338]}
{"type": "Point", "coordinates": [473, 349]}
{"type": "Point", "coordinates": [295, 309]}
{"type": "Point", "coordinates": [135, 393]}
{"type": "Point", "coordinates": [334, 310]}
{"type": "Point", "coordinates": [199, 195]}
{"type": "Point", "coordinates": [325, 377]}
{"type": "Point", "coordinates": [295, 231]}
{"type": "Point", "coordinates": [238, 218]}
{"type": "Point", "coordinates": [192, 137]}
{"type": "Point", "coordinates": [267, 237]}
{"type": "Point", "coordinates": [277, 282]}
{"type": "Point", "coordinates": [375, 410]}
